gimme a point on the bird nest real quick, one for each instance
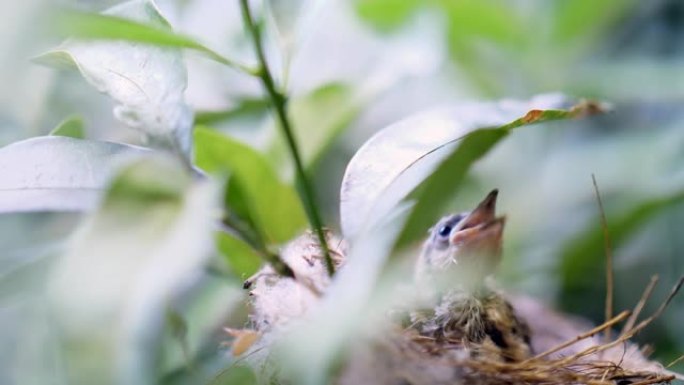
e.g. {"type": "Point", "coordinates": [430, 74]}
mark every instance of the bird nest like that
{"type": "Point", "coordinates": [592, 357]}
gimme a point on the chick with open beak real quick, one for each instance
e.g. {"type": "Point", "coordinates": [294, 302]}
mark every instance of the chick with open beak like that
{"type": "Point", "coordinates": [460, 253]}
{"type": "Point", "coordinates": [469, 243]}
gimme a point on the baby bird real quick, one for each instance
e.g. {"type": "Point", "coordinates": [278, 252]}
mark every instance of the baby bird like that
{"type": "Point", "coordinates": [462, 310]}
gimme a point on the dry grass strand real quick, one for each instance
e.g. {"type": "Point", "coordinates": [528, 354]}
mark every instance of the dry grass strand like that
{"type": "Point", "coordinates": [609, 258]}
{"type": "Point", "coordinates": [640, 305]}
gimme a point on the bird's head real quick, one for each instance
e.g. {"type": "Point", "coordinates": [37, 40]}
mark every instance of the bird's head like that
{"type": "Point", "coordinates": [469, 242]}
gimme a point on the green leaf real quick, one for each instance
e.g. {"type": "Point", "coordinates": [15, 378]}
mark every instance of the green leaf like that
{"type": "Point", "coordinates": [241, 257]}
{"type": "Point", "coordinates": [235, 375]}
{"type": "Point", "coordinates": [72, 127]}
{"type": "Point", "coordinates": [111, 290]}
{"type": "Point", "coordinates": [582, 257]}
{"type": "Point", "coordinates": [491, 20]}
{"type": "Point", "coordinates": [387, 14]}
{"type": "Point", "coordinates": [157, 31]}
{"type": "Point", "coordinates": [244, 107]}
{"type": "Point", "coordinates": [436, 147]}
{"type": "Point", "coordinates": [56, 173]}
{"type": "Point", "coordinates": [483, 36]}
{"type": "Point", "coordinates": [146, 82]}
{"type": "Point", "coordinates": [272, 205]}
{"type": "Point", "coordinates": [318, 119]}
{"type": "Point", "coordinates": [440, 186]}
{"type": "Point", "coordinates": [584, 18]}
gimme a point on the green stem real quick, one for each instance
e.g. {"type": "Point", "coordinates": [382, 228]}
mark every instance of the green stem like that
{"type": "Point", "coordinates": [226, 61]}
{"type": "Point", "coordinates": [279, 101]}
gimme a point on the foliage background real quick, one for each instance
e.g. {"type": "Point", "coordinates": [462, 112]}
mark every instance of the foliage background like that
{"type": "Point", "coordinates": [352, 68]}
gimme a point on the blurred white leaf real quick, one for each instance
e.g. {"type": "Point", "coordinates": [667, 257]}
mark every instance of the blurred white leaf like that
{"type": "Point", "coordinates": [397, 159]}
{"type": "Point", "coordinates": [111, 290]}
{"type": "Point", "coordinates": [56, 173]}
{"type": "Point", "coordinates": [146, 82]}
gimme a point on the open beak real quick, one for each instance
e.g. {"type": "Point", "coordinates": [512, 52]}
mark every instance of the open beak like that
{"type": "Point", "coordinates": [481, 230]}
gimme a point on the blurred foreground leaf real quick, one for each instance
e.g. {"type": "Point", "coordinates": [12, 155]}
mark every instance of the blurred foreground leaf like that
{"type": "Point", "coordinates": [72, 127]}
{"type": "Point", "coordinates": [110, 292]}
{"type": "Point", "coordinates": [58, 173]}
{"type": "Point", "coordinates": [271, 205]}
{"type": "Point", "coordinates": [146, 82]}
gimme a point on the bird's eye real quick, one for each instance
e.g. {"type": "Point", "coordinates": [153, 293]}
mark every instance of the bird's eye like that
{"type": "Point", "coordinates": [444, 231]}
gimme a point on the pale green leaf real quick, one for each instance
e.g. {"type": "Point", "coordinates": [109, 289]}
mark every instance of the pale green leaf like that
{"type": "Point", "coordinates": [273, 206]}
{"type": "Point", "coordinates": [72, 127]}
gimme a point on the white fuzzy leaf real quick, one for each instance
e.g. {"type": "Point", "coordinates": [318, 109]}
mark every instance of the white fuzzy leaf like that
{"type": "Point", "coordinates": [54, 173]}
{"type": "Point", "coordinates": [146, 82]}
{"type": "Point", "coordinates": [397, 159]}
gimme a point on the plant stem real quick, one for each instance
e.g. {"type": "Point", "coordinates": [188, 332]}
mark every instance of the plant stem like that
{"type": "Point", "coordinates": [279, 102]}
{"type": "Point", "coordinates": [609, 257]}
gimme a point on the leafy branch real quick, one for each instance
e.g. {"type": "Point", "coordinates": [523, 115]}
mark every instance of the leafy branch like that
{"type": "Point", "coordinates": [279, 101]}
